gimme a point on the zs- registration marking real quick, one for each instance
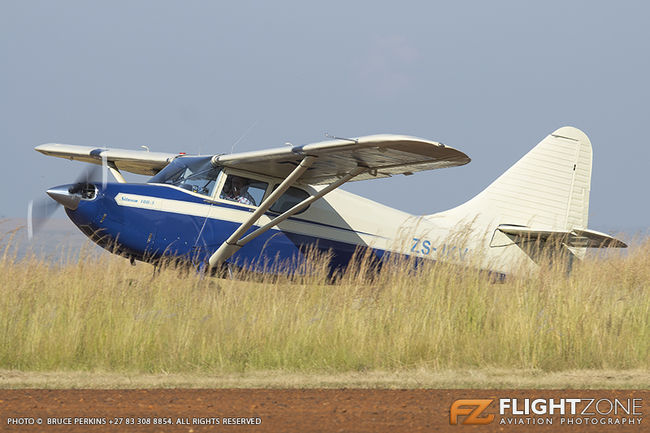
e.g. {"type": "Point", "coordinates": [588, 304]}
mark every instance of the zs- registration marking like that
{"type": "Point", "coordinates": [425, 247]}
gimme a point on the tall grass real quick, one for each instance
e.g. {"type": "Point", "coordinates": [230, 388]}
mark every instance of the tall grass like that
{"type": "Point", "coordinates": [99, 313]}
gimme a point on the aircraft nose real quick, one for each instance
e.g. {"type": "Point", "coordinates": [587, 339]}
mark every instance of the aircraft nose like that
{"type": "Point", "coordinates": [62, 195]}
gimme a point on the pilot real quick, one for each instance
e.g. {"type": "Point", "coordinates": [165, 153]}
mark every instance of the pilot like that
{"type": "Point", "coordinates": [236, 189]}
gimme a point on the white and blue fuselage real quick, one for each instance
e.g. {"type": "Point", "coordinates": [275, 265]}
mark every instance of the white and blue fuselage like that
{"type": "Point", "coordinates": [151, 221]}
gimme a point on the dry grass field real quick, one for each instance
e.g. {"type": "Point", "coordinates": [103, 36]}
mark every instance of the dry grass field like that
{"type": "Point", "coordinates": [94, 313]}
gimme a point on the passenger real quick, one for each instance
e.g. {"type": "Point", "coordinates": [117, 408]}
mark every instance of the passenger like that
{"type": "Point", "coordinates": [236, 189]}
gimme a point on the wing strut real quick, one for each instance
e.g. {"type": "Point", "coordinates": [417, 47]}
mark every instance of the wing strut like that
{"type": "Point", "coordinates": [227, 249]}
{"type": "Point", "coordinates": [231, 245]}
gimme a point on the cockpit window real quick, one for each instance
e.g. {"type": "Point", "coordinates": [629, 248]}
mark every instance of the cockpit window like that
{"type": "Point", "coordinates": [195, 174]}
{"type": "Point", "coordinates": [243, 190]}
{"type": "Point", "coordinates": [289, 199]}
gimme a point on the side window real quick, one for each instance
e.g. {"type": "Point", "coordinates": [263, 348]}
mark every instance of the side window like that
{"type": "Point", "coordinates": [289, 199]}
{"type": "Point", "coordinates": [243, 190]}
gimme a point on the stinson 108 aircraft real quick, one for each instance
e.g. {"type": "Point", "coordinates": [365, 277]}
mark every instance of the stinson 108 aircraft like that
{"type": "Point", "coordinates": [255, 208]}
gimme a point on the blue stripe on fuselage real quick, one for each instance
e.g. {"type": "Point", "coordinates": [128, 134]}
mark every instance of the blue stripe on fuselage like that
{"type": "Point", "coordinates": [149, 234]}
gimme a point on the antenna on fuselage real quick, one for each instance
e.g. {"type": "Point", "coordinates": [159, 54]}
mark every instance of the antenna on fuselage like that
{"type": "Point", "coordinates": [241, 137]}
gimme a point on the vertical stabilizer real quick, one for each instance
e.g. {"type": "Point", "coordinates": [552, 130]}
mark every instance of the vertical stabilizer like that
{"type": "Point", "coordinates": [547, 188]}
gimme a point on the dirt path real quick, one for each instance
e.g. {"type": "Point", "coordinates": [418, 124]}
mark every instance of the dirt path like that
{"type": "Point", "coordinates": [306, 410]}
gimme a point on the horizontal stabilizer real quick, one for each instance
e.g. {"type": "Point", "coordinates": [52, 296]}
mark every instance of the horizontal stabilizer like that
{"type": "Point", "coordinates": [579, 238]}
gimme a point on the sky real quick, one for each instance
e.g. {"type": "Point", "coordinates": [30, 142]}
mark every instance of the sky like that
{"type": "Point", "coordinates": [489, 78]}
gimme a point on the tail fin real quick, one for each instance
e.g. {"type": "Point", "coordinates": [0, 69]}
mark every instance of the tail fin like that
{"type": "Point", "coordinates": [548, 188]}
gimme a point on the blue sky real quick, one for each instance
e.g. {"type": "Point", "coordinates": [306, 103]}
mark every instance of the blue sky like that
{"type": "Point", "coordinates": [489, 78]}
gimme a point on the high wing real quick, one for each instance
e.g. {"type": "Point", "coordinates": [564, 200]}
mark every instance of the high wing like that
{"type": "Point", "coordinates": [133, 161]}
{"type": "Point", "coordinates": [581, 238]}
{"type": "Point", "coordinates": [383, 155]}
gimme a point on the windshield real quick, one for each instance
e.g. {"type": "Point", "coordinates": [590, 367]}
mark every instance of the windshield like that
{"type": "Point", "coordinates": [192, 173]}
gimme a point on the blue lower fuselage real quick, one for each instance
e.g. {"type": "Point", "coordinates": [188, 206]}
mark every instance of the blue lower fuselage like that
{"type": "Point", "coordinates": [128, 219]}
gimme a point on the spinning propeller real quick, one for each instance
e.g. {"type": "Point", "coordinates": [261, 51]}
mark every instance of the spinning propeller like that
{"type": "Point", "coordinates": [38, 212]}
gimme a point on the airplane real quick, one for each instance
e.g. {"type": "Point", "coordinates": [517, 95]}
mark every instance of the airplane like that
{"type": "Point", "coordinates": [253, 209]}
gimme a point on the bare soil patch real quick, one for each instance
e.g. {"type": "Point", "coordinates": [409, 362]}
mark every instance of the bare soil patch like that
{"type": "Point", "coordinates": [278, 410]}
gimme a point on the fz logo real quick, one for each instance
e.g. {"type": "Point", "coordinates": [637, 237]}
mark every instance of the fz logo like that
{"type": "Point", "coordinates": [471, 408]}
